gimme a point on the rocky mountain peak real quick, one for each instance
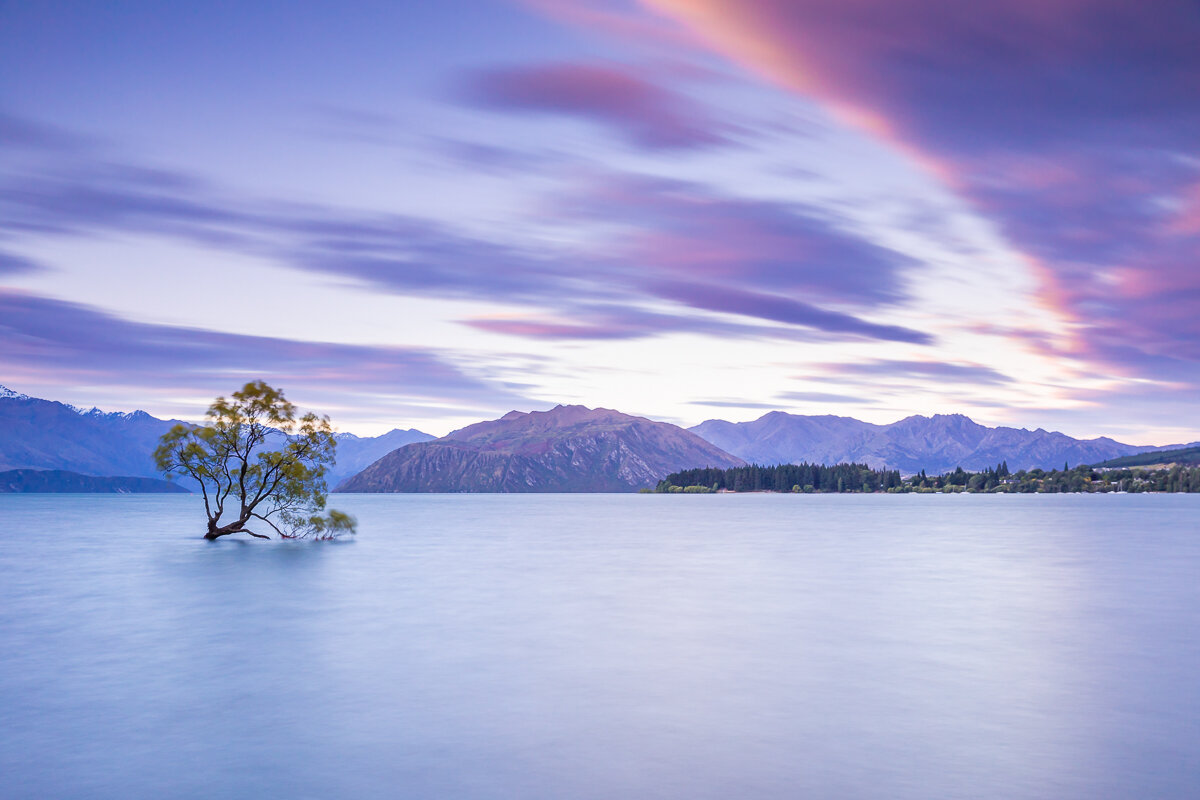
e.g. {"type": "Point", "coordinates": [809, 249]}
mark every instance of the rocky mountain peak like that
{"type": "Point", "coordinates": [565, 449]}
{"type": "Point", "coordinates": [8, 394]}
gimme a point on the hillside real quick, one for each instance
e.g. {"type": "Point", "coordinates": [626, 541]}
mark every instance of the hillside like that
{"type": "Point", "coordinates": [566, 449]}
{"type": "Point", "coordinates": [1187, 455]}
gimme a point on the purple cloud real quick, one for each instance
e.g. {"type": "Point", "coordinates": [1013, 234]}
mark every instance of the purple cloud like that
{"type": "Point", "coordinates": [822, 397]}
{"type": "Point", "coordinates": [730, 404]}
{"type": "Point", "coordinates": [727, 299]}
{"type": "Point", "coordinates": [479, 156]}
{"type": "Point", "coordinates": [687, 232]}
{"type": "Point", "coordinates": [12, 264]}
{"type": "Point", "coordinates": [683, 244]}
{"type": "Point", "coordinates": [73, 342]}
{"type": "Point", "coordinates": [646, 113]}
{"type": "Point", "coordinates": [775, 263]}
{"type": "Point", "coordinates": [533, 328]}
{"type": "Point", "coordinates": [931, 370]}
{"type": "Point", "coordinates": [95, 196]}
{"type": "Point", "coordinates": [1072, 125]}
{"type": "Point", "coordinates": [1016, 75]}
{"type": "Point", "coordinates": [616, 322]}
{"type": "Point", "coordinates": [21, 133]}
{"type": "Point", "coordinates": [355, 125]}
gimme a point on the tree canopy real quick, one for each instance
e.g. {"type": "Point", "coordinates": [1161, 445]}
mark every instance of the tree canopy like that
{"type": "Point", "coordinates": [258, 464]}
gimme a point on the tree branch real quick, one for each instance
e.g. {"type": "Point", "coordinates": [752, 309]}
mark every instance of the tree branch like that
{"type": "Point", "coordinates": [282, 535]}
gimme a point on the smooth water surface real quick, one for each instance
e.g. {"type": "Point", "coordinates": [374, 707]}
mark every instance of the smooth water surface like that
{"type": "Point", "coordinates": [606, 646]}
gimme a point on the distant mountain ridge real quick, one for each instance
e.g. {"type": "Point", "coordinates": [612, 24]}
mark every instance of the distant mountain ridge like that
{"type": "Point", "coordinates": [46, 434]}
{"type": "Point", "coordinates": [354, 453]}
{"type": "Point", "coordinates": [36, 481]}
{"type": "Point", "coordinates": [565, 449]}
{"type": "Point", "coordinates": [935, 444]}
{"type": "Point", "coordinates": [1187, 455]}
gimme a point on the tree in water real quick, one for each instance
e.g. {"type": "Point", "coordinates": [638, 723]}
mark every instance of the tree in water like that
{"type": "Point", "coordinates": [243, 480]}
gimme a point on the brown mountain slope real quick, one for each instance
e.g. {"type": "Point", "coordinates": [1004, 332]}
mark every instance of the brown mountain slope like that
{"type": "Point", "coordinates": [566, 449]}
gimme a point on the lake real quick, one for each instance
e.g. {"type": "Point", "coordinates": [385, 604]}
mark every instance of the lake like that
{"type": "Point", "coordinates": [606, 646]}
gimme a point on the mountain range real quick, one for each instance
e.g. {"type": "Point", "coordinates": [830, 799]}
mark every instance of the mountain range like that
{"type": "Point", "coordinates": [935, 444]}
{"type": "Point", "coordinates": [569, 448]}
{"type": "Point", "coordinates": [565, 449]}
{"type": "Point", "coordinates": [44, 434]}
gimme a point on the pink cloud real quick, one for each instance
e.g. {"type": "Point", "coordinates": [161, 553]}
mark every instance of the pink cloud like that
{"type": "Point", "coordinates": [644, 112]}
{"type": "Point", "coordinates": [533, 328]}
{"type": "Point", "coordinates": [1067, 122]}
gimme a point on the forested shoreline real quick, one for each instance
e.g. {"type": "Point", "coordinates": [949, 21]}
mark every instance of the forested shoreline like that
{"type": "Point", "coordinates": [860, 478]}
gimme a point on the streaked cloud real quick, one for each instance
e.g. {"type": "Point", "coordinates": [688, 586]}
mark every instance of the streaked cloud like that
{"type": "Point", "coordinates": [1071, 125]}
{"type": "Point", "coordinates": [732, 404]}
{"type": "Point", "coordinates": [776, 265]}
{"type": "Point", "coordinates": [533, 328]}
{"type": "Point", "coordinates": [76, 343]}
{"type": "Point", "coordinates": [729, 300]}
{"type": "Point", "coordinates": [13, 264]}
{"type": "Point", "coordinates": [21, 133]}
{"type": "Point", "coordinates": [822, 397]}
{"type": "Point", "coordinates": [932, 370]}
{"type": "Point", "coordinates": [687, 231]}
{"type": "Point", "coordinates": [640, 110]}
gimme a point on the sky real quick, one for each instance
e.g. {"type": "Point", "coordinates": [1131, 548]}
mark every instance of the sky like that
{"type": "Point", "coordinates": [415, 214]}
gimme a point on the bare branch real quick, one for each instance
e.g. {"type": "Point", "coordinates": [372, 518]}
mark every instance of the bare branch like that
{"type": "Point", "coordinates": [272, 524]}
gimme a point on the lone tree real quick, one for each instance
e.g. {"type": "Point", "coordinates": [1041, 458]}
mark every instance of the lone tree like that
{"type": "Point", "coordinates": [243, 480]}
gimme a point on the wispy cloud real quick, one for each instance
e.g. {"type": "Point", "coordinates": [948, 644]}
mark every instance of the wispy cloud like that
{"type": "Point", "coordinates": [77, 343]}
{"type": "Point", "coordinates": [729, 300]}
{"type": "Point", "coordinates": [12, 264]}
{"type": "Point", "coordinates": [822, 397]}
{"type": "Point", "coordinates": [776, 265]}
{"type": "Point", "coordinates": [731, 404]}
{"type": "Point", "coordinates": [684, 230]}
{"type": "Point", "coordinates": [360, 126]}
{"type": "Point", "coordinates": [532, 328]}
{"type": "Point", "coordinates": [642, 111]}
{"type": "Point", "coordinates": [1071, 125]}
{"type": "Point", "coordinates": [612, 321]}
{"type": "Point", "coordinates": [21, 133]}
{"type": "Point", "coordinates": [937, 371]}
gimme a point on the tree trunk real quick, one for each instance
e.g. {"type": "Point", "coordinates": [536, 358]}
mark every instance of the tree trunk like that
{"type": "Point", "coordinates": [216, 533]}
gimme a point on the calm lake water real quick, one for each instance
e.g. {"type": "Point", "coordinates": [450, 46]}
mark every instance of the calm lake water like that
{"type": "Point", "coordinates": [606, 646]}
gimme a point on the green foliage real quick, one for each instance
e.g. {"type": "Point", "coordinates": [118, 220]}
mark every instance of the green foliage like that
{"type": "Point", "coordinates": [243, 480]}
{"type": "Point", "coordinates": [1082, 478]}
{"type": "Point", "coordinates": [783, 478]}
{"type": "Point", "coordinates": [846, 478]}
